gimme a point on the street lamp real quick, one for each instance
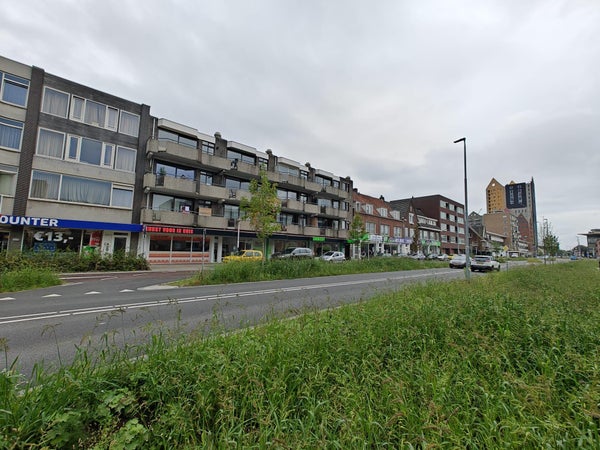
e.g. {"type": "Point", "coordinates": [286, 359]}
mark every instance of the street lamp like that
{"type": "Point", "coordinates": [468, 262]}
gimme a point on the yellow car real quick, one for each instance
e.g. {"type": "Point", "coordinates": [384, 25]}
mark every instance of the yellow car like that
{"type": "Point", "coordinates": [244, 255]}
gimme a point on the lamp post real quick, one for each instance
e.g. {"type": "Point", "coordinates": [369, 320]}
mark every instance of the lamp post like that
{"type": "Point", "coordinates": [468, 262]}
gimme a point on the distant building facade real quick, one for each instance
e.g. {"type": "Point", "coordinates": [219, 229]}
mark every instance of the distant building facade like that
{"type": "Point", "coordinates": [449, 217]}
{"type": "Point", "coordinates": [388, 231]}
{"type": "Point", "coordinates": [517, 199]}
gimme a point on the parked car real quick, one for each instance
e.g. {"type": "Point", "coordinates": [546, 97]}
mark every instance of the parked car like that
{"type": "Point", "coordinates": [244, 255]}
{"type": "Point", "coordinates": [417, 255]}
{"type": "Point", "coordinates": [333, 256]}
{"type": "Point", "coordinates": [443, 257]}
{"type": "Point", "coordinates": [484, 263]}
{"type": "Point", "coordinates": [294, 252]}
{"type": "Point", "coordinates": [458, 262]}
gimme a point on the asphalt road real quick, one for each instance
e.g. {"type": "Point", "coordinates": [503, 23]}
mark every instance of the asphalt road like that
{"type": "Point", "coordinates": [91, 311]}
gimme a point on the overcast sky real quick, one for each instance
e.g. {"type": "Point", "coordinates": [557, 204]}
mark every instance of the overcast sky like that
{"type": "Point", "coordinates": [374, 90]}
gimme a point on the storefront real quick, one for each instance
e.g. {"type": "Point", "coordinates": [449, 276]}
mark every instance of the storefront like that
{"type": "Point", "coordinates": [36, 234]}
{"type": "Point", "coordinates": [165, 244]}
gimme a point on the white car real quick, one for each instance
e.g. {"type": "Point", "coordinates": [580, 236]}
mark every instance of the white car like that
{"type": "Point", "coordinates": [333, 256]}
{"type": "Point", "coordinates": [484, 263]}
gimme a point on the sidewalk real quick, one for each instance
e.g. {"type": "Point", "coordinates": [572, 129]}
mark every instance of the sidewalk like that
{"type": "Point", "coordinates": [180, 267]}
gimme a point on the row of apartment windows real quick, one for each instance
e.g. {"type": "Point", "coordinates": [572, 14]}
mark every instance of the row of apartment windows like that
{"type": "Point", "coordinates": [58, 145]}
{"type": "Point", "coordinates": [67, 188]}
{"type": "Point", "coordinates": [13, 89]}
{"type": "Point", "coordinates": [166, 135]}
{"type": "Point", "coordinates": [383, 212]}
{"type": "Point", "coordinates": [451, 207]}
{"type": "Point", "coordinates": [62, 104]}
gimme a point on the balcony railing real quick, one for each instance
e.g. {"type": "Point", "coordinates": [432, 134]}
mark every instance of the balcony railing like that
{"type": "Point", "coordinates": [174, 149]}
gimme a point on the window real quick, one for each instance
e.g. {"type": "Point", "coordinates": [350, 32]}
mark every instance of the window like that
{"type": "Point", "coordinates": [234, 155]}
{"type": "Point", "coordinates": [84, 190]}
{"type": "Point", "coordinates": [14, 89]}
{"type": "Point", "coordinates": [11, 133]}
{"type": "Point", "coordinates": [130, 124]}
{"type": "Point", "coordinates": [91, 151]}
{"type": "Point", "coordinates": [166, 135]}
{"type": "Point", "coordinates": [122, 197]}
{"type": "Point", "coordinates": [95, 113]}
{"type": "Point", "coordinates": [288, 170]}
{"type": "Point", "coordinates": [125, 160]}
{"type": "Point", "coordinates": [50, 143]}
{"type": "Point", "coordinates": [206, 178]}
{"type": "Point", "coordinates": [231, 211]}
{"type": "Point", "coordinates": [55, 102]}
{"type": "Point", "coordinates": [233, 183]}
{"type": "Point", "coordinates": [369, 209]}
{"type": "Point", "coordinates": [77, 107]}
{"type": "Point", "coordinates": [370, 227]}
{"type": "Point", "coordinates": [7, 183]}
{"type": "Point", "coordinates": [112, 118]}
{"type": "Point", "coordinates": [208, 148]}
{"type": "Point", "coordinates": [395, 215]}
{"type": "Point", "coordinates": [397, 232]}
{"type": "Point", "coordinates": [44, 185]}
{"type": "Point", "coordinates": [385, 229]}
{"type": "Point", "coordinates": [323, 181]}
{"type": "Point", "coordinates": [382, 212]}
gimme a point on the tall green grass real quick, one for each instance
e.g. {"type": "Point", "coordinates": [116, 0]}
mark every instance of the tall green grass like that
{"type": "Point", "coordinates": [27, 278]}
{"type": "Point", "coordinates": [510, 360]}
{"type": "Point", "coordinates": [277, 269]}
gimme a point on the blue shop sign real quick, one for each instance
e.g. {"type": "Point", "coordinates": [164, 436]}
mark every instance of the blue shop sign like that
{"type": "Point", "coordinates": [46, 222]}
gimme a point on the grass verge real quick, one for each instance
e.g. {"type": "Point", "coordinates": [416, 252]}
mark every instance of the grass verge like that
{"type": "Point", "coordinates": [278, 269]}
{"type": "Point", "coordinates": [508, 360]}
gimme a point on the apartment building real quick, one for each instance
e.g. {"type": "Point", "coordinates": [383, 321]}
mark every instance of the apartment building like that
{"type": "Point", "coordinates": [419, 225]}
{"type": "Point", "coordinates": [193, 186]}
{"type": "Point", "coordinates": [449, 217]}
{"type": "Point", "coordinates": [83, 170]}
{"type": "Point", "coordinates": [517, 199]}
{"type": "Point", "coordinates": [70, 160]}
{"type": "Point", "coordinates": [387, 231]}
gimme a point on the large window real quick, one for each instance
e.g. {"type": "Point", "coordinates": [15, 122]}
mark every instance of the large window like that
{"type": "Point", "coordinates": [7, 183]}
{"type": "Point", "coordinates": [239, 156]}
{"type": "Point", "coordinates": [166, 135]}
{"type": "Point", "coordinates": [13, 89]}
{"type": "Point", "coordinates": [11, 133]}
{"type": "Point", "coordinates": [52, 186]}
{"type": "Point", "coordinates": [288, 170]}
{"type": "Point", "coordinates": [55, 102]}
{"type": "Point", "coordinates": [130, 124]}
{"type": "Point", "coordinates": [174, 171]}
{"type": "Point", "coordinates": [170, 203]}
{"type": "Point", "coordinates": [50, 143]}
{"type": "Point", "coordinates": [125, 159]}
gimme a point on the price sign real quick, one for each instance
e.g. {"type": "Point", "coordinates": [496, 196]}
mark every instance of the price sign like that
{"type": "Point", "coordinates": [50, 236]}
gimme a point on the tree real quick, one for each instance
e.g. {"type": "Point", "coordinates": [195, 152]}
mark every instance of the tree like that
{"type": "Point", "coordinates": [262, 208]}
{"type": "Point", "coordinates": [551, 245]}
{"type": "Point", "coordinates": [357, 232]}
{"type": "Point", "coordinates": [414, 245]}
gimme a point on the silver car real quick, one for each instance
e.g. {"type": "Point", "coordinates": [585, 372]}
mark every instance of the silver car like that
{"type": "Point", "coordinates": [333, 256]}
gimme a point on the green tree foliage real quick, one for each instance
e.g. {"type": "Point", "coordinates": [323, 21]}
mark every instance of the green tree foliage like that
{"type": "Point", "coordinates": [551, 244]}
{"type": "Point", "coordinates": [357, 231]}
{"type": "Point", "coordinates": [262, 208]}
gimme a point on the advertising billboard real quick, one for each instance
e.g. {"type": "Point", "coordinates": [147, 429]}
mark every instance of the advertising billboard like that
{"type": "Point", "coordinates": [516, 195]}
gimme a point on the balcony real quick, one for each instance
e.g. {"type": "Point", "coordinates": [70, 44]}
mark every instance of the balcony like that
{"type": "Point", "coordinates": [215, 162]}
{"type": "Point", "coordinates": [292, 229]}
{"type": "Point", "coordinates": [170, 183]}
{"type": "Point", "coordinates": [173, 149]}
{"type": "Point", "coordinates": [168, 217]}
